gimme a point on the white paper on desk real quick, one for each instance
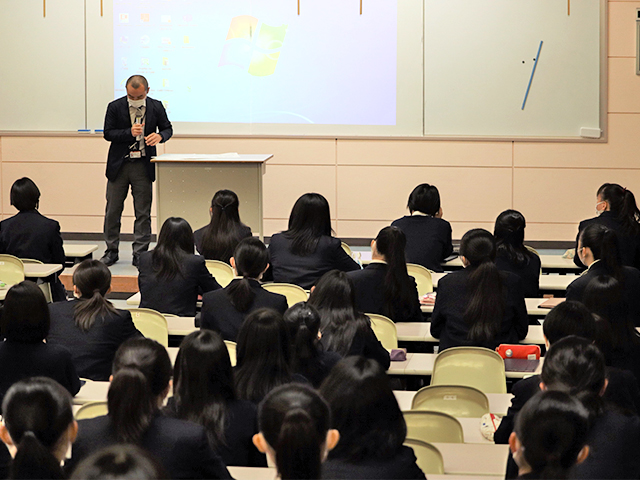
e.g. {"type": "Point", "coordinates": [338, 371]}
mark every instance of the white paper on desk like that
{"type": "Point", "coordinates": [198, 156]}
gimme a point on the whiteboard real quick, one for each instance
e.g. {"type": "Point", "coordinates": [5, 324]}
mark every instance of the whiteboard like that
{"type": "Point", "coordinates": [479, 57]}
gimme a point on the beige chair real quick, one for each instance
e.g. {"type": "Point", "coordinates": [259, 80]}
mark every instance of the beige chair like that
{"type": "Point", "coordinates": [92, 410]}
{"type": "Point", "coordinates": [385, 330]}
{"type": "Point", "coordinates": [294, 293]}
{"type": "Point", "coordinates": [433, 427]}
{"type": "Point", "coordinates": [151, 324]}
{"type": "Point", "coordinates": [422, 277]}
{"type": "Point", "coordinates": [428, 457]}
{"type": "Point", "coordinates": [44, 286]}
{"type": "Point", "coordinates": [231, 347]}
{"type": "Point", "coordinates": [347, 249]}
{"type": "Point", "coordinates": [11, 270]}
{"type": "Point", "coordinates": [222, 272]}
{"type": "Point", "coordinates": [456, 400]}
{"type": "Point", "coordinates": [476, 367]}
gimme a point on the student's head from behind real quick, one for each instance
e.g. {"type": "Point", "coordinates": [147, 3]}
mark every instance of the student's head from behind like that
{"type": "Point", "coordinates": [358, 388]}
{"type": "Point", "coordinates": [425, 199]}
{"type": "Point", "coordinates": [91, 282]}
{"type": "Point", "coordinates": [303, 322]}
{"type": "Point", "coordinates": [25, 195]}
{"type": "Point", "coordinates": [250, 258]}
{"type": "Point", "coordinates": [120, 462]}
{"type": "Point", "coordinates": [509, 228]}
{"type": "Point", "coordinates": [550, 435]}
{"type": "Point", "coordinates": [38, 427]}
{"type": "Point", "coordinates": [569, 318]}
{"type": "Point", "coordinates": [390, 243]}
{"type": "Point", "coordinates": [333, 291]}
{"type": "Point", "coordinates": [309, 220]}
{"type": "Point", "coordinates": [225, 204]}
{"type": "Point", "coordinates": [604, 296]}
{"type": "Point", "coordinates": [25, 316]}
{"type": "Point", "coordinates": [597, 242]}
{"type": "Point", "coordinates": [295, 430]}
{"type": "Point", "coordinates": [176, 234]}
{"type": "Point", "coordinates": [477, 246]}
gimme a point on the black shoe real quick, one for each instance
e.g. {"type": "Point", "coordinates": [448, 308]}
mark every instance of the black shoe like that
{"type": "Point", "coordinates": [135, 260]}
{"type": "Point", "coordinates": [109, 258]}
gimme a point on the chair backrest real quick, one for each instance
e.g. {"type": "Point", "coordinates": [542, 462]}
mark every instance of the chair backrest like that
{"type": "Point", "coordinates": [92, 410]}
{"type": "Point", "coordinates": [11, 270]}
{"type": "Point", "coordinates": [422, 277]}
{"type": "Point", "coordinates": [428, 457]}
{"type": "Point", "coordinates": [294, 293]}
{"type": "Point", "coordinates": [347, 248]}
{"type": "Point", "coordinates": [231, 347]}
{"type": "Point", "coordinates": [222, 272]}
{"type": "Point", "coordinates": [31, 260]}
{"type": "Point", "coordinates": [456, 400]}
{"type": "Point", "coordinates": [433, 427]}
{"type": "Point", "coordinates": [476, 367]}
{"type": "Point", "coordinates": [385, 330]}
{"type": "Point", "coordinates": [151, 324]}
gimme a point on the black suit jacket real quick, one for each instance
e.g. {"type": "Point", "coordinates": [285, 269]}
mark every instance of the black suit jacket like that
{"type": "Point", "coordinates": [529, 273]}
{"type": "Point", "coordinates": [369, 289]}
{"type": "Point", "coordinates": [179, 295]}
{"type": "Point", "coordinates": [92, 351]}
{"type": "Point", "coordinates": [305, 271]}
{"type": "Point", "coordinates": [401, 466]}
{"type": "Point", "coordinates": [198, 237]}
{"type": "Point", "coordinates": [447, 321]}
{"type": "Point", "coordinates": [117, 130]}
{"type": "Point", "coordinates": [220, 315]}
{"type": "Point", "coordinates": [181, 447]}
{"type": "Point", "coordinates": [428, 240]}
{"type": "Point", "coordinates": [32, 235]}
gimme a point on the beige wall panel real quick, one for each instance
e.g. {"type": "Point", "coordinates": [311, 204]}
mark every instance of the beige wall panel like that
{"type": "Point", "coordinates": [460, 228]}
{"type": "Point", "coordinates": [284, 184]}
{"type": "Point", "coordinates": [622, 28]}
{"type": "Point", "coordinates": [369, 229]}
{"type": "Point", "coordinates": [624, 86]}
{"type": "Point", "coordinates": [274, 225]}
{"type": "Point", "coordinates": [551, 231]}
{"type": "Point", "coordinates": [380, 193]}
{"type": "Point", "coordinates": [81, 148]}
{"type": "Point", "coordinates": [420, 152]}
{"type": "Point", "coordinates": [285, 151]}
{"type": "Point", "coordinates": [621, 151]}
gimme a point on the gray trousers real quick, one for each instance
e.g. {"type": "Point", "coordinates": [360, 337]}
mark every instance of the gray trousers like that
{"type": "Point", "coordinates": [134, 174]}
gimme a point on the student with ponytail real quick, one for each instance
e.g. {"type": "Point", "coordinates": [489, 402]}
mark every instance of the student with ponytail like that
{"type": "Point", "coordinates": [225, 310]}
{"type": "Point", "coordinates": [295, 431]}
{"type": "Point", "coordinates": [38, 428]}
{"type": "Point", "coordinates": [384, 286]}
{"type": "Point", "coordinates": [479, 305]}
{"type": "Point", "coordinates": [140, 383]}
{"type": "Point", "coordinates": [89, 326]}
{"type": "Point", "coordinates": [218, 239]}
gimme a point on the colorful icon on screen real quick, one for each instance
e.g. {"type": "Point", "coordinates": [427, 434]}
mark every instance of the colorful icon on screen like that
{"type": "Point", "coordinates": [124, 18]}
{"type": "Point", "coordinates": [145, 17]}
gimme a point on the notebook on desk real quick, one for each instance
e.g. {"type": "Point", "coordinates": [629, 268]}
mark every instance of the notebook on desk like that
{"type": "Point", "coordinates": [551, 302]}
{"type": "Point", "coordinates": [520, 365]}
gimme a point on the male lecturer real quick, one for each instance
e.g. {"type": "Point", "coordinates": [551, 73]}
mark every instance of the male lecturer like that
{"type": "Point", "coordinates": [134, 125]}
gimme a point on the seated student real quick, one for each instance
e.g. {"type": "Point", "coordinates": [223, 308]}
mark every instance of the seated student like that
{"type": "Point", "coordinates": [479, 305]}
{"type": "Point", "coordinates": [550, 436]}
{"type": "Point", "coordinates": [38, 427]}
{"type": "Point", "coordinates": [119, 462]}
{"type": "Point", "coordinates": [306, 250]}
{"type": "Point", "coordinates": [295, 431]}
{"type": "Point", "coordinates": [344, 329]}
{"type": "Point", "coordinates": [171, 276]}
{"type": "Point", "coordinates": [219, 239]}
{"type": "Point", "coordinates": [371, 446]}
{"type": "Point", "coordinates": [428, 235]}
{"type": "Point", "coordinates": [29, 234]}
{"type": "Point", "coordinates": [204, 393]}
{"type": "Point", "coordinates": [511, 253]}
{"type": "Point", "coordinates": [616, 209]}
{"type": "Point", "coordinates": [308, 357]}
{"type": "Point", "coordinates": [89, 326]}
{"type": "Point", "coordinates": [140, 384]}
{"type": "Point", "coordinates": [384, 286]}
{"type": "Point", "coordinates": [25, 353]}
{"type": "Point", "coordinates": [225, 310]}
{"type": "Point", "coordinates": [597, 247]}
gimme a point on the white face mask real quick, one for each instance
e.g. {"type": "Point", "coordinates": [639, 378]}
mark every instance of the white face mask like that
{"type": "Point", "coordinates": [599, 212]}
{"type": "Point", "coordinates": [136, 103]}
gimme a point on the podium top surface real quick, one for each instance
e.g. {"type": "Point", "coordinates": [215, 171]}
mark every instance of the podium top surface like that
{"type": "Point", "coordinates": [211, 158]}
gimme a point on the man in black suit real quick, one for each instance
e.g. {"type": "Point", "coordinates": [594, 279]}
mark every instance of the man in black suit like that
{"type": "Point", "coordinates": [130, 125]}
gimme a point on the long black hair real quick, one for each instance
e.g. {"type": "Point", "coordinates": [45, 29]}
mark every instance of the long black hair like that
{"type": "Point", "coordinates": [25, 316]}
{"type": "Point", "coordinates": [141, 374]}
{"type": "Point", "coordinates": [509, 235]}
{"type": "Point", "coordinates": [175, 240]}
{"type": "Point", "coordinates": [603, 243]}
{"type": "Point", "coordinates": [37, 412]}
{"type": "Point", "coordinates": [251, 259]}
{"type": "Point", "coordinates": [303, 323]}
{"type": "Point", "coordinates": [309, 220]}
{"type": "Point", "coordinates": [334, 297]}
{"type": "Point", "coordinates": [486, 305]}
{"type": "Point", "coordinates": [120, 462]}
{"type": "Point", "coordinates": [622, 203]}
{"type": "Point", "coordinates": [93, 280]}
{"type": "Point", "coordinates": [225, 228]}
{"type": "Point", "coordinates": [294, 421]}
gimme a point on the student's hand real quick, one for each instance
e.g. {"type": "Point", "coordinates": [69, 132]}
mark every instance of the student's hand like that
{"type": "Point", "coordinates": [153, 139]}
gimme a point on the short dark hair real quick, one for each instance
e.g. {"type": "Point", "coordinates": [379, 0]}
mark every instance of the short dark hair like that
{"type": "Point", "coordinates": [25, 194]}
{"type": "Point", "coordinates": [425, 198]}
{"type": "Point", "coordinates": [136, 80]}
{"type": "Point", "coordinates": [569, 318]}
{"type": "Point", "coordinates": [124, 462]}
{"type": "Point", "coordinates": [25, 317]}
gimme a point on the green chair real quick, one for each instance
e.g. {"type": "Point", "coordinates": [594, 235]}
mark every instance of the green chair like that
{"type": "Point", "coordinates": [294, 293]}
{"type": "Point", "coordinates": [422, 277]}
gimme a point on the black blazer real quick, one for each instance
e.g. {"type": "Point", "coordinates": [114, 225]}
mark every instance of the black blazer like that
{"type": "Point", "coordinates": [428, 240]}
{"type": "Point", "coordinates": [32, 235]}
{"type": "Point", "coordinates": [317, 370]}
{"type": "Point", "coordinates": [402, 465]}
{"type": "Point", "coordinates": [198, 236]}
{"type": "Point", "coordinates": [305, 271]}
{"type": "Point", "coordinates": [628, 245]}
{"type": "Point", "coordinates": [179, 295]}
{"type": "Point", "coordinates": [369, 290]}
{"type": "Point", "coordinates": [575, 290]}
{"type": "Point", "coordinates": [117, 130]}
{"type": "Point", "coordinates": [92, 351]}
{"type": "Point", "coordinates": [366, 343]}
{"type": "Point", "coordinates": [529, 273]}
{"type": "Point", "coordinates": [220, 315]}
{"type": "Point", "coordinates": [181, 447]}
{"type": "Point", "coordinates": [447, 321]}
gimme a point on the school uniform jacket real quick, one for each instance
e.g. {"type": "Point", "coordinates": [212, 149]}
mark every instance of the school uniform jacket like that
{"type": "Point", "coordinates": [401, 466]}
{"type": "Point", "coordinates": [198, 237]}
{"type": "Point", "coordinates": [428, 240]}
{"type": "Point", "coordinates": [528, 273]}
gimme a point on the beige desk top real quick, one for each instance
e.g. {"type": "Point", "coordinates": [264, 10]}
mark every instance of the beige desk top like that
{"type": "Point", "coordinates": [421, 332]}
{"type": "Point", "coordinates": [473, 458]}
{"type": "Point", "coordinates": [556, 262]}
{"type": "Point", "coordinates": [547, 282]}
{"type": "Point", "coordinates": [36, 270]}
{"type": "Point", "coordinates": [532, 307]}
{"type": "Point", "coordinates": [499, 403]}
{"type": "Point", "coordinates": [78, 249]}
